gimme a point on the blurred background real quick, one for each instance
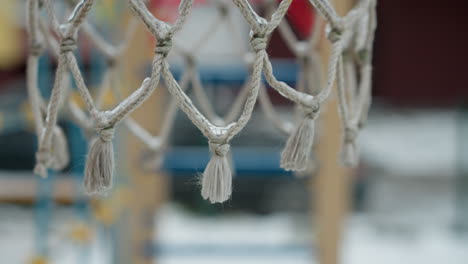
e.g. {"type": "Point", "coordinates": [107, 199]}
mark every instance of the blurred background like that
{"type": "Point", "coordinates": [407, 201]}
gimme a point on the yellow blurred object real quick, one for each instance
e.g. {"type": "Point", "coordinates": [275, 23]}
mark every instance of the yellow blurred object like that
{"type": "Point", "coordinates": [38, 260]}
{"type": "Point", "coordinates": [10, 46]}
{"type": "Point", "coordinates": [103, 212]}
{"type": "Point", "coordinates": [75, 96]}
{"type": "Point", "coordinates": [108, 99]}
{"type": "Point", "coordinates": [80, 233]}
{"type": "Point", "coordinates": [104, 10]}
{"type": "Point", "coordinates": [28, 114]}
{"type": "Point", "coordinates": [106, 211]}
{"type": "Point", "coordinates": [121, 198]}
{"type": "Point", "coordinates": [108, 4]}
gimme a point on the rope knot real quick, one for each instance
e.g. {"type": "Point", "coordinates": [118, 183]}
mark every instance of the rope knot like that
{"type": "Point", "coordinates": [334, 34]}
{"type": "Point", "coordinates": [258, 42]}
{"type": "Point", "coordinates": [106, 134]}
{"type": "Point", "coordinates": [313, 110]}
{"type": "Point", "coordinates": [68, 45]}
{"type": "Point", "coordinates": [219, 149]}
{"type": "Point", "coordinates": [350, 134]}
{"type": "Point", "coordinates": [36, 49]}
{"type": "Point", "coordinates": [102, 125]}
{"type": "Point", "coordinates": [100, 120]}
{"type": "Point", "coordinates": [163, 47]}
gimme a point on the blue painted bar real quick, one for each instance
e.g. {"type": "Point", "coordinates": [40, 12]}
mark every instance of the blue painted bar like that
{"type": "Point", "coordinates": [236, 250]}
{"type": "Point", "coordinates": [257, 161]}
{"type": "Point", "coordinates": [235, 74]}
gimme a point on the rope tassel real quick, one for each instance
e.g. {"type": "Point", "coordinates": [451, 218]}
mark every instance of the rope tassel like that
{"type": "Point", "coordinates": [42, 162]}
{"type": "Point", "coordinates": [295, 155]}
{"type": "Point", "coordinates": [217, 177]}
{"type": "Point", "coordinates": [100, 163]}
{"type": "Point", "coordinates": [55, 157]}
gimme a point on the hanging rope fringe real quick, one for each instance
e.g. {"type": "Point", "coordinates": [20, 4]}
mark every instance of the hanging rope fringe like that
{"type": "Point", "coordinates": [217, 177]}
{"type": "Point", "coordinates": [99, 167]}
{"type": "Point", "coordinates": [42, 162]}
{"type": "Point", "coordinates": [295, 155]}
{"type": "Point", "coordinates": [100, 163]}
{"type": "Point", "coordinates": [349, 153]}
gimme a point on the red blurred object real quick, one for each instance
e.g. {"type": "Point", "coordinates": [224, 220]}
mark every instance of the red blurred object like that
{"type": "Point", "coordinates": [167, 9]}
{"type": "Point", "coordinates": [420, 52]}
{"type": "Point", "coordinates": [301, 17]}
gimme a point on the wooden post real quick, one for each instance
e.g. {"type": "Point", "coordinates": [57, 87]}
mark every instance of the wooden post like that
{"type": "Point", "coordinates": [331, 187]}
{"type": "Point", "coordinates": [147, 190]}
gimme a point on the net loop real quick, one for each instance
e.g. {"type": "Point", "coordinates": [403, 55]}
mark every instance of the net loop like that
{"type": "Point", "coordinates": [219, 149]}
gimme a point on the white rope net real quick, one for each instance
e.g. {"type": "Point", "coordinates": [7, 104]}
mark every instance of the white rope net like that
{"type": "Point", "coordinates": [351, 38]}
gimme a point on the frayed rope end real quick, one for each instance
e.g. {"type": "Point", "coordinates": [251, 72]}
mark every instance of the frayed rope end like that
{"type": "Point", "coordinates": [100, 163]}
{"type": "Point", "coordinates": [349, 152]}
{"type": "Point", "coordinates": [41, 170]}
{"type": "Point", "coordinates": [217, 177]}
{"type": "Point", "coordinates": [349, 155]}
{"type": "Point", "coordinates": [295, 156]}
{"type": "Point", "coordinates": [42, 162]}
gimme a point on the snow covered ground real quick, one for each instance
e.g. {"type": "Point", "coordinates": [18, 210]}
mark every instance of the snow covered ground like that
{"type": "Point", "coordinates": [241, 238]}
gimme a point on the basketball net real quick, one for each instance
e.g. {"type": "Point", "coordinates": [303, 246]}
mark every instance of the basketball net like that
{"type": "Point", "coordinates": [349, 66]}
